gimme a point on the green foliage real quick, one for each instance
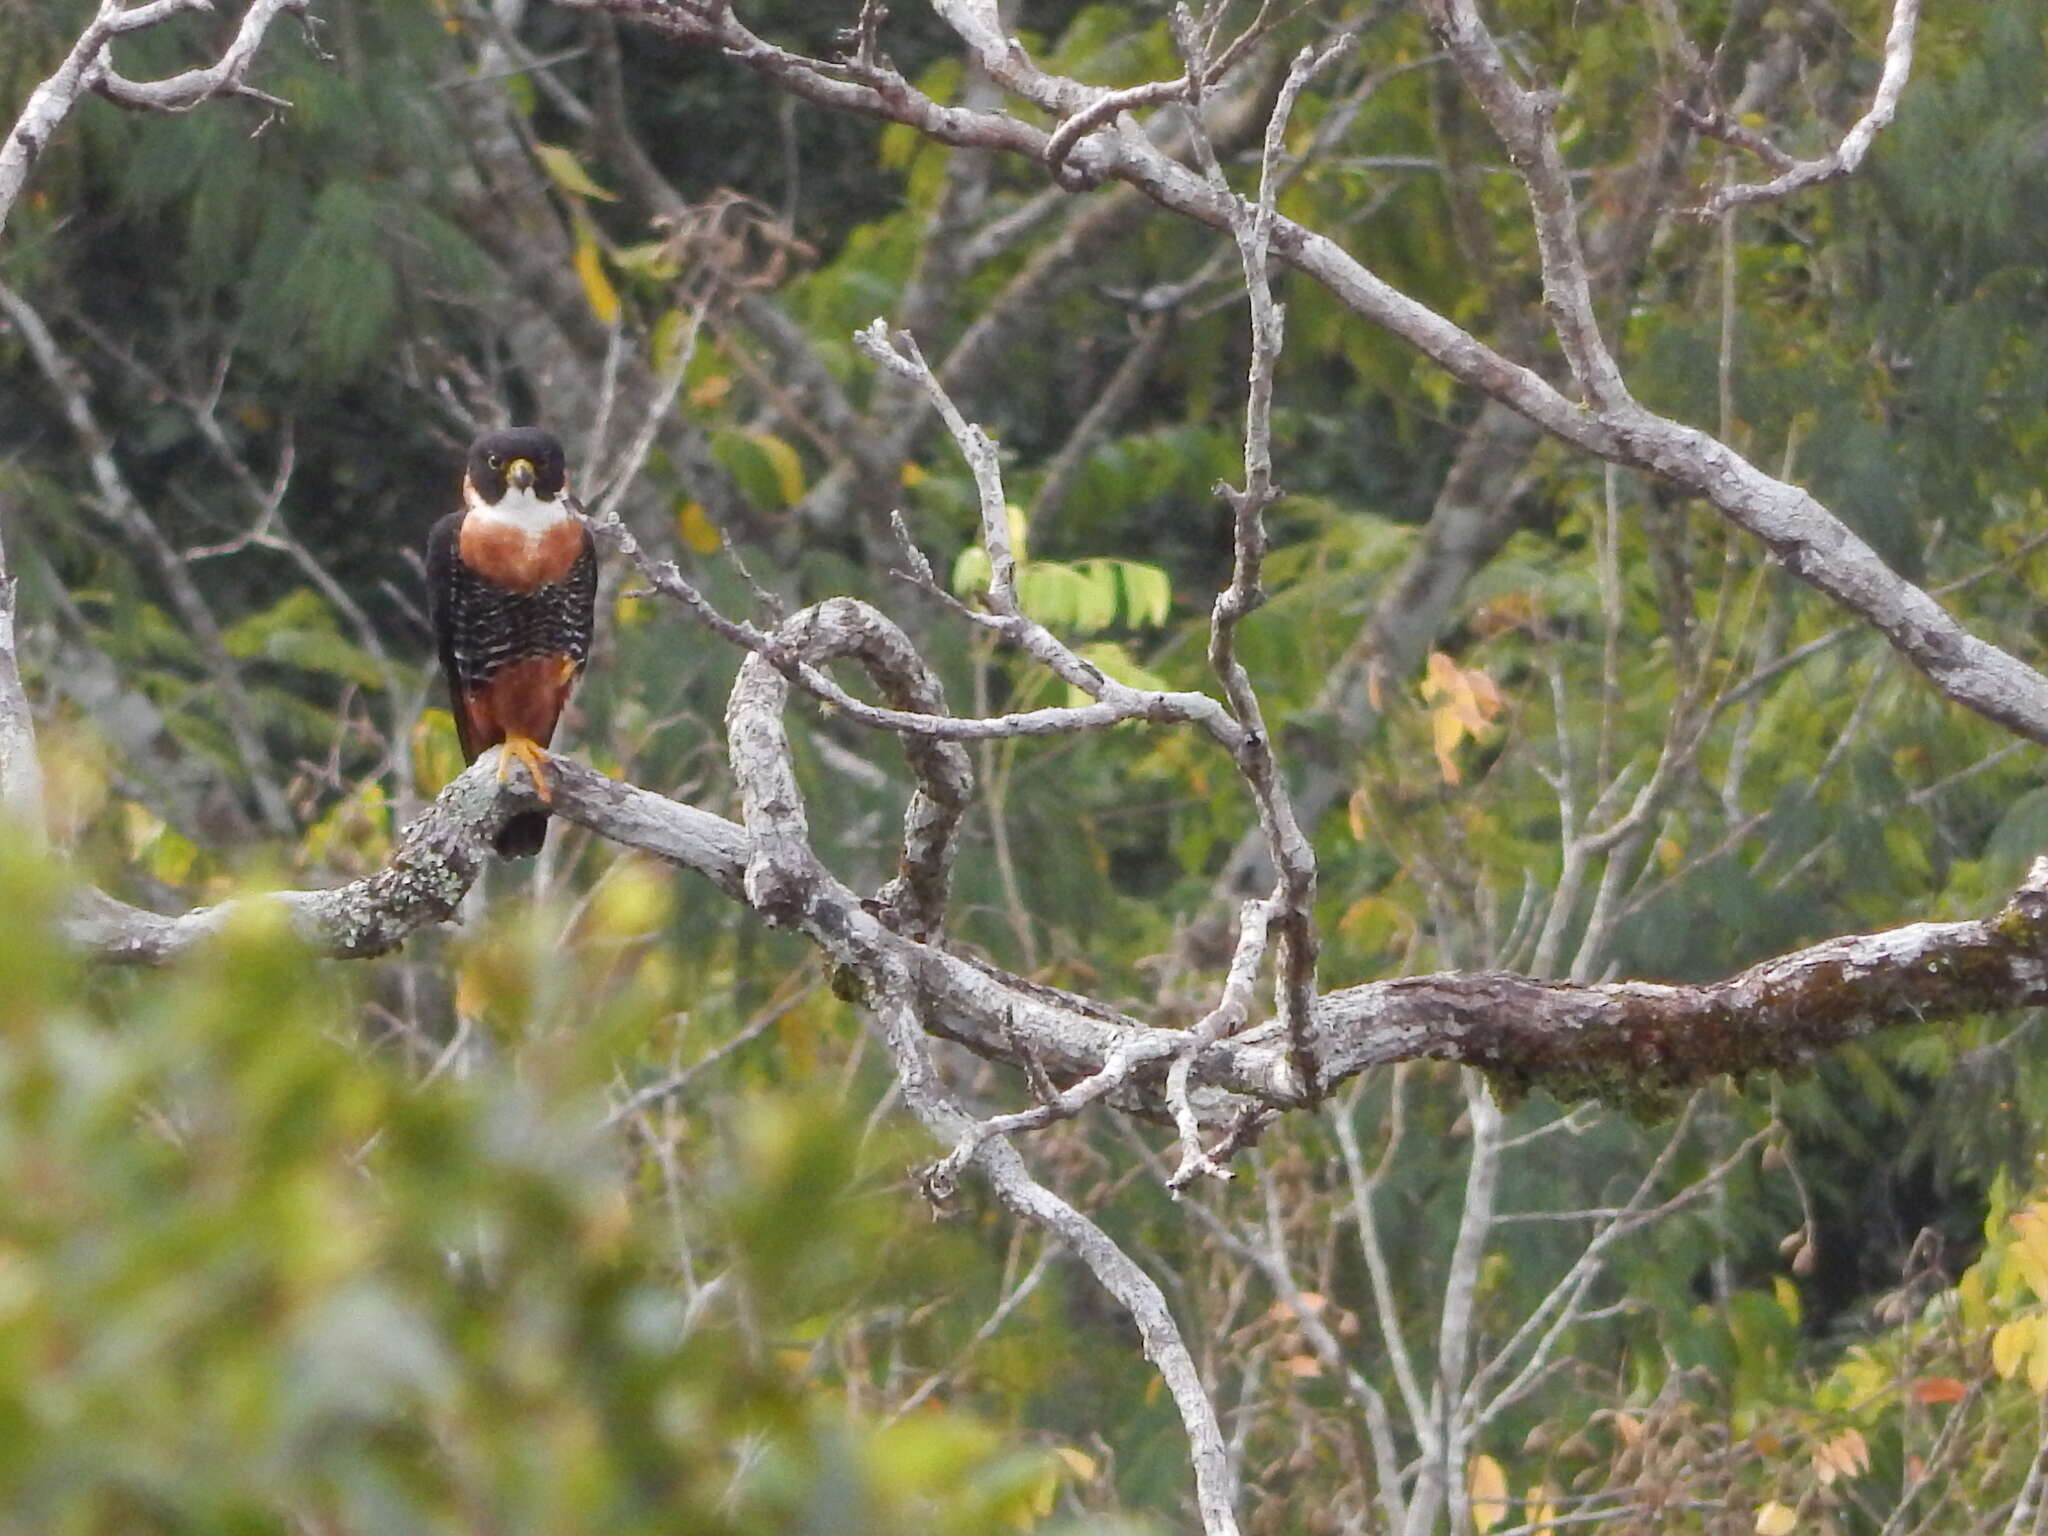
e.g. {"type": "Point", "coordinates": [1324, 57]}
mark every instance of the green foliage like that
{"type": "Point", "coordinates": [264, 1263]}
{"type": "Point", "coordinates": [253, 1275]}
{"type": "Point", "coordinates": [300, 630]}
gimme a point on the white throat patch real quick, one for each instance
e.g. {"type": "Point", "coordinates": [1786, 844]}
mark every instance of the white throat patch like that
{"type": "Point", "coordinates": [517, 508]}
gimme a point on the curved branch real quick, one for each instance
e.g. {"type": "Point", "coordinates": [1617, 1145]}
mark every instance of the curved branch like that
{"type": "Point", "coordinates": [914, 902]}
{"type": "Point", "coordinates": [1848, 156]}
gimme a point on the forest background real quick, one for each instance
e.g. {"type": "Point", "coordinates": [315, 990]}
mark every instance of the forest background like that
{"type": "Point", "coordinates": [601, 1209]}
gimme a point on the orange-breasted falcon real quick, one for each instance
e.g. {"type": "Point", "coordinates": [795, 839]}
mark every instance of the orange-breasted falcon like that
{"type": "Point", "coordinates": [512, 582]}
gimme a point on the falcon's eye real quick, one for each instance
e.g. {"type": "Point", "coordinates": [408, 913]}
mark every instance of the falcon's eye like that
{"type": "Point", "coordinates": [497, 462]}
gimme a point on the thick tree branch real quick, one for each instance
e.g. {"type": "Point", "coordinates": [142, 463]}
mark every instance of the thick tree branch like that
{"type": "Point", "coordinates": [1618, 1039]}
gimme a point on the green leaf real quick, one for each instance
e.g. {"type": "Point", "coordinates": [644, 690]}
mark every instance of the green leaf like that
{"type": "Point", "coordinates": [1118, 664]}
{"type": "Point", "coordinates": [300, 631]}
{"type": "Point", "coordinates": [1148, 594]}
{"type": "Point", "coordinates": [971, 572]}
{"type": "Point", "coordinates": [1051, 593]}
{"type": "Point", "coordinates": [783, 461]}
{"type": "Point", "coordinates": [1096, 593]}
{"type": "Point", "coordinates": [766, 467]}
{"type": "Point", "coordinates": [567, 172]}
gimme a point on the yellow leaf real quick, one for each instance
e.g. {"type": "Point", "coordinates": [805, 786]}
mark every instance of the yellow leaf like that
{"type": "Point", "coordinates": [1488, 1486]}
{"type": "Point", "coordinates": [2037, 1363]}
{"type": "Point", "coordinates": [913, 475]}
{"type": "Point", "coordinates": [1485, 693]}
{"type": "Point", "coordinates": [597, 288]}
{"type": "Point", "coordinates": [1970, 1296]}
{"type": "Point", "coordinates": [1020, 545]}
{"type": "Point", "coordinates": [1775, 1519]}
{"type": "Point", "coordinates": [1542, 1504]}
{"type": "Point", "coordinates": [697, 529]}
{"type": "Point", "coordinates": [567, 172]}
{"type": "Point", "coordinates": [2011, 1345]}
{"type": "Point", "coordinates": [1446, 730]}
{"type": "Point", "coordinates": [1787, 1295]}
{"type": "Point", "coordinates": [1080, 1463]}
{"type": "Point", "coordinates": [472, 991]}
{"type": "Point", "coordinates": [1441, 678]}
{"type": "Point", "coordinates": [2031, 1248]}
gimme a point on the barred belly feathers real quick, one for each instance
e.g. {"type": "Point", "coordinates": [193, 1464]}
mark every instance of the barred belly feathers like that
{"type": "Point", "coordinates": [512, 584]}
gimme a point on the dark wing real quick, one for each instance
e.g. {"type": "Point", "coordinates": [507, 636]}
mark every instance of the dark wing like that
{"type": "Point", "coordinates": [444, 571]}
{"type": "Point", "coordinates": [579, 602]}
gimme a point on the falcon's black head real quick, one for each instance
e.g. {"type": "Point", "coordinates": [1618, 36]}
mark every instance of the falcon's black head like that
{"type": "Point", "coordinates": [526, 457]}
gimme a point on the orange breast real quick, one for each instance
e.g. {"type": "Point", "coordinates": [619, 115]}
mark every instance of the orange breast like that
{"type": "Point", "coordinates": [507, 556]}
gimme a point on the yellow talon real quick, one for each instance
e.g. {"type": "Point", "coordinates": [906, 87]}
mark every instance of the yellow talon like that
{"type": "Point", "coordinates": [530, 752]}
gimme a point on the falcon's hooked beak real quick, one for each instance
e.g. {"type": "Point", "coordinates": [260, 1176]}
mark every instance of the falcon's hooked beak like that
{"type": "Point", "coordinates": [520, 473]}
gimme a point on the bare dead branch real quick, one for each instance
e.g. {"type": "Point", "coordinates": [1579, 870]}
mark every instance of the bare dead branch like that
{"type": "Point", "coordinates": [1800, 533]}
{"type": "Point", "coordinates": [943, 1176]}
{"type": "Point", "coordinates": [89, 67]}
{"type": "Point", "coordinates": [1848, 156]}
{"type": "Point", "coordinates": [1229, 1015]}
{"type": "Point", "coordinates": [1115, 702]}
{"type": "Point", "coordinates": [1627, 1040]}
{"type": "Point", "coordinates": [1522, 120]}
{"type": "Point", "coordinates": [1215, 1483]}
{"type": "Point", "coordinates": [121, 507]}
{"type": "Point", "coordinates": [1293, 903]}
{"type": "Point", "coordinates": [1105, 108]}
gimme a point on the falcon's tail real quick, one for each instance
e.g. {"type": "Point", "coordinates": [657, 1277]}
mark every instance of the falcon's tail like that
{"type": "Point", "coordinates": [522, 836]}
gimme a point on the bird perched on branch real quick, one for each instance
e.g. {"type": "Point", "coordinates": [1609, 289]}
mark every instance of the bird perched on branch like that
{"type": "Point", "coordinates": [512, 582]}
